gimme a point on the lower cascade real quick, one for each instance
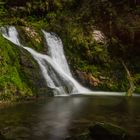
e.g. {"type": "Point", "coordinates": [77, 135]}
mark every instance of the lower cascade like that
{"type": "Point", "coordinates": [54, 66]}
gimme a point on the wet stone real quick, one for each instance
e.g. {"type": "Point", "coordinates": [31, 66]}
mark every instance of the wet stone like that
{"type": "Point", "coordinates": [107, 131]}
{"type": "Point", "coordinates": [102, 131]}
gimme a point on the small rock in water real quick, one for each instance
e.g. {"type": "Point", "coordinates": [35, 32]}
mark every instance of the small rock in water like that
{"type": "Point", "coordinates": [107, 131]}
{"type": "Point", "coordinates": [102, 131]}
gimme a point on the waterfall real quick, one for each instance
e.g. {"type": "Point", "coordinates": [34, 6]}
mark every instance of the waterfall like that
{"type": "Point", "coordinates": [54, 66]}
{"type": "Point", "coordinates": [55, 51]}
{"type": "Point", "coordinates": [11, 34]}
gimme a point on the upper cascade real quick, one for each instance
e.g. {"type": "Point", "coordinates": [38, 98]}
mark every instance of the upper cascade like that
{"type": "Point", "coordinates": [11, 34]}
{"type": "Point", "coordinates": [55, 51]}
{"type": "Point", "coordinates": [54, 66]}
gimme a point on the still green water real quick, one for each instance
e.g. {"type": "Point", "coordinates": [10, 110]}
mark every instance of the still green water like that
{"type": "Point", "coordinates": [54, 118]}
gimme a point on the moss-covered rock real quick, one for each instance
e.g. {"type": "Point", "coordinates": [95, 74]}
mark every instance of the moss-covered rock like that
{"type": "Point", "coordinates": [20, 76]}
{"type": "Point", "coordinates": [107, 131]}
{"type": "Point", "coordinates": [102, 131]}
{"type": "Point", "coordinates": [31, 37]}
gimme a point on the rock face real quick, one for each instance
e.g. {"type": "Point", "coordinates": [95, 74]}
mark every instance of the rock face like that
{"type": "Point", "coordinates": [99, 37]}
{"type": "Point", "coordinates": [87, 79]}
{"type": "Point", "coordinates": [32, 72]}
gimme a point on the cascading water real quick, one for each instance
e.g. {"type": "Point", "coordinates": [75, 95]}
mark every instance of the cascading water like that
{"type": "Point", "coordinates": [11, 34]}
{"type": "Point", "coordinates": [53, 66]}
{"type": "Point", "coordinates": [55, 51]}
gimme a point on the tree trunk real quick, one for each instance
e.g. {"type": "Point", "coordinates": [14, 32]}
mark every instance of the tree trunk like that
{"type": "Point", "coordinates": [130, 80]}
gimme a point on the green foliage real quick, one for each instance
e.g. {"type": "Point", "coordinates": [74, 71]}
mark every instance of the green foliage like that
{"type": "Point", "coordinates": [31, 37]}
{"type": "Point", "coordinates": [57, 5]}
{"type": "Point", "coordinates": [16, 79]}
{"type": "Point", "coordinates": [10, 80]}
{"type": "Point", "coordinates": [51, 16]}
{"type": "Point", "coordinates": [6, 96]}
{"type": "Point", "coordinates": [137, 82]}
{"type": "Point", "coordinates": [74, 21]}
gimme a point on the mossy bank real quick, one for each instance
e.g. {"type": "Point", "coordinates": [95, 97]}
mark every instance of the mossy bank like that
{"type": "Point", "coordinates": [20, 76]}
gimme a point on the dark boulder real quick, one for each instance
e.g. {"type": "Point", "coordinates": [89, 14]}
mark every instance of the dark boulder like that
{"type": "Point", "coordinates": [107, 131]}
{"type": "Point", "coordinates": [102, 131]}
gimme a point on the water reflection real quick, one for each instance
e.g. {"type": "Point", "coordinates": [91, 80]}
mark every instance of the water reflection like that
{"type": "Point", "coordinates": [56, 117]}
